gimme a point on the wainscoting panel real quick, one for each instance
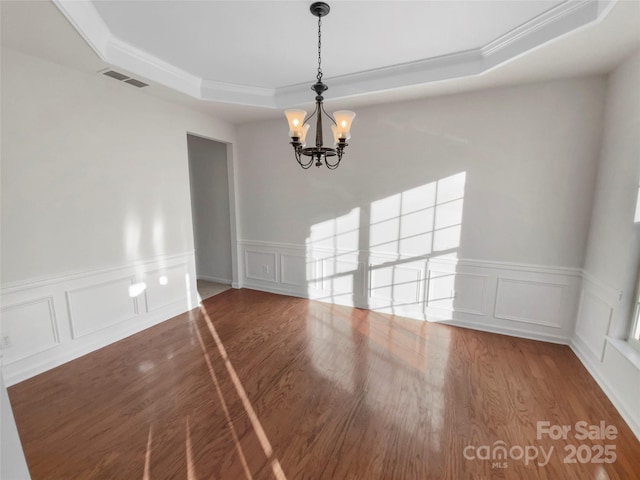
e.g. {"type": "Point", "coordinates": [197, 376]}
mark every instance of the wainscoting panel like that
{"type": "Point", "coordinates": [48, 322]}
{"type": "Point", "coordinates": [461, 292]}
{"type": "Point", "coordinates": [608, 359]}
{"type": "Point", "coordinates": [441, 291]}
{"type": "Point", "coordinates": [595, 311]}
{"type": "Point", "coordinates": [297, 270]}
{"type": "Point", "coordinates": [28, 328]}
{"type": "Point", "coordinates": [260, 265]}
{"type": "Point", "coordinates": [98, 306]}
{"type": "Point", "coordinates": [166, 286]}
{"type": "Point", "coordinates": [396, 284]}
{"type": "Point", "coordinates": [342, 276]}
{"type": "Point", "coordinates": [526, 301]}
{"type": "Point", "coordinates": [533, 301]}
{"type": "Point", "coordinates": [594, 320]}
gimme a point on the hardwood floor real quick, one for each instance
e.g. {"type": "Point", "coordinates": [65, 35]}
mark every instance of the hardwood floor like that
{"type": "Point", "coordinates": [257, 385]}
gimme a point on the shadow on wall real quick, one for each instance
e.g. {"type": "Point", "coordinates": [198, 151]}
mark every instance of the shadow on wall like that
{"type": "Point", "coordinates": [374, 256]}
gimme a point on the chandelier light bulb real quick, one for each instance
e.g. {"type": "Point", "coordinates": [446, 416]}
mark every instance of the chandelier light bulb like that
{"type": "Point", "coordinates": [344, 118]}
{"type": "Point", "coordinates": [337, 135]}
{"type": "Point", "coordinates": [295, 119]}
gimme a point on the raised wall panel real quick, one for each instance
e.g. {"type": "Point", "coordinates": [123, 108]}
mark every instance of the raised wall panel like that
{"type": "Point", "coordinates": [441, 290]}
{"type": "Point", "coordinates": [395, 284]}
{"type": "Point", "coordinates": [539, 303]}
{"type": "Point", "coordinates": [456, 291]}
{"type": "Point", "coordinates": [533, 301]}
{"type": "Point", "coordinates": [55, 320]}
{"type": "Point", "coordinates": [98, 306]}
{"type": "Point", "coordinates": [166, 286]}
{"type": "Point", "coordinates": [28, 328]}
{"type": "Point", "coordinates": [594, 318]}
{"type": "Point", "coordinates": [470, 292]}
{"type": "Point", "coordinates": [342, 276]}
{"type": "Point", "coordinates": [260, 265]}
{"type": "Point", "coordinates": [298, 270]}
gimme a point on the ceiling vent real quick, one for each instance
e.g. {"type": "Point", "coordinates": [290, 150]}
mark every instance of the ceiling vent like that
{"type": "Point", "coordinates": [123, 78]}
{"type": "Point", "coordinates": [136, 83]}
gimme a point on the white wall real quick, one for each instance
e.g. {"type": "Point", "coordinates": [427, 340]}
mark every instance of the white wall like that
{"type": "Point", "coordinates": [210, 208]}
{"type": "Point", "coordinates": [613, 252]}
{"type": "Point", "coordinates": [614, 238]}
{"type": "Point", "coordinates": [473, 208]}
{"type": "Point", "coordinates": [98, 169]}
{"type": "Point", "coordinates": [95, 199]}
{"type": "Point", "coordinates": [529, 154]}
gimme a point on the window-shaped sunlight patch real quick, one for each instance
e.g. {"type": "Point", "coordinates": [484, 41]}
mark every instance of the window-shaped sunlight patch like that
{"type": "Point", "coordinates": [340, 233]}
{"type": "Point", "coordinates": [407, 229]}
{"type": "Point", "coordinates": [419, 221]}
{"type": "Point", "coordinates": [377, 256]}
{"type": "Point", "coordinates": [335, 244]}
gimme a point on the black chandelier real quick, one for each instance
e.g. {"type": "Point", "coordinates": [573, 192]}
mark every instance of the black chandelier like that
{"type": "Point", "coordinates": [341, 120]}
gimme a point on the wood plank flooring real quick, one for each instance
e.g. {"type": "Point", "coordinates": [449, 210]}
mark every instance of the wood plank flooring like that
{"type": "Point", "coordinates": [257, 386]}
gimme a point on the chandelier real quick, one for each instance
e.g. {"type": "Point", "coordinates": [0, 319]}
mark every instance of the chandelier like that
{"type": "Point", "coordinates": [341, 120]}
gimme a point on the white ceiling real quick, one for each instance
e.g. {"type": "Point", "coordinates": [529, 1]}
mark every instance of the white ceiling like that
{"type": "Point", "coordinates": [274, 44]}
{"type": "Point", "coordinates": [246, 60]}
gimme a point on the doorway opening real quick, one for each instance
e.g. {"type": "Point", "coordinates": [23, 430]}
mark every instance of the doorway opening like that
{"type": "Point", "coordinates": [210, 214]}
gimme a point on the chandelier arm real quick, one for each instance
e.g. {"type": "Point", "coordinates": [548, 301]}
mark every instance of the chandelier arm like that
{"type": "Point", "coordinates": [325, 112]}
{"type": "Point", "coordinates": [310, 116]}
{"type": "Point", "coordinates": [331, 166]}
{"type": "Point", "coordinates": [299, 158]}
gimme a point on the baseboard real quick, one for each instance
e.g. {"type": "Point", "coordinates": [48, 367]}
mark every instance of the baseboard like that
{"type": "Point", "coordinates": [272, 289]}
{"type": "Point", "coordinates": [224, 281]}
{"type": "Point", "coordinates": [526, 334]}
{"type": "Point", "coordinates": [583, 354]}
{"type": "Point", "coordinates": [529, 335]}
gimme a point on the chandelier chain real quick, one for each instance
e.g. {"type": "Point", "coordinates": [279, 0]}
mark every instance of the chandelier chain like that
{"type": "Point", "coordinates": [319, 76]}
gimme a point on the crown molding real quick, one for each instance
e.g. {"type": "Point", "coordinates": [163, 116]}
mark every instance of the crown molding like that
{"type": "Point", "coordinates": [238, 94]}
{"type": "Point", "coordinates": [536, 24]}
{"type": "Point", "coordinates": [455, 65]}
{"type": "Point", "coordinates": [551, 24]}
{"type": "Point", "coordinates": [141, 63]}
{"type": "Point", "coordinates": [84, 17]}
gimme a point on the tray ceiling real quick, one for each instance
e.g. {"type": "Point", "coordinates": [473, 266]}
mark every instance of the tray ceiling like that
{"type": "Point", "coordinates": [263, 53]}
